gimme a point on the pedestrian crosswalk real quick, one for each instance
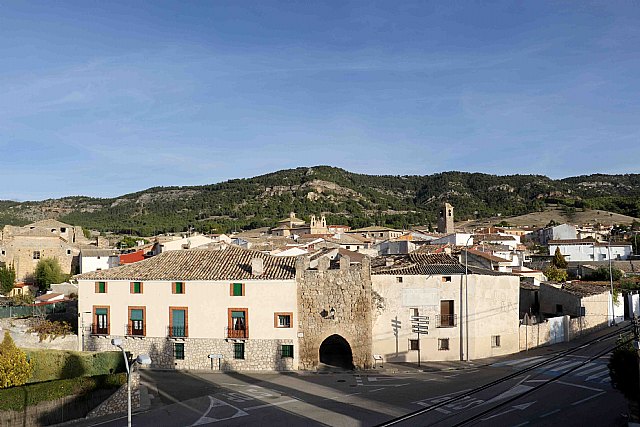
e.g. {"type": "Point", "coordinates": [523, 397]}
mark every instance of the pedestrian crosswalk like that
{"type": "Point", "coordinates": [594, 371]}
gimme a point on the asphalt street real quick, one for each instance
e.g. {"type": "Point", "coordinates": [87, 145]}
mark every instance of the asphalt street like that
{"type": "Point", "coordinates": [540, 387]}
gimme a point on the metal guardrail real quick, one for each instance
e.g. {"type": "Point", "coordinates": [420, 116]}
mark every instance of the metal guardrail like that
{"type": "Point", "coordinates": [446, 320]}
{"type": "Point", "coordinates": [236, 333]}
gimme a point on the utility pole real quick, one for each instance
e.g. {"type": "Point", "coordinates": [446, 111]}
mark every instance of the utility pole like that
{"type": "Point", "coordinates": [420, 325]}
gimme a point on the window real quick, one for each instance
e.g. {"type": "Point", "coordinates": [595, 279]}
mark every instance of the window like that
{"type": "Point", "coordinates": [101, 320]}
{"type": "Point", "coordinates": [414, 345]}
{"type": "Point", "coordinates": [238, 326]}
{"type": "Point", "coordinates": [3, 252]}
{"type": "Point", "coordinates": [381, 234]}
{"type": "Point", "coordinates": [178, 288]}
{"type": "Point", "coordinates": [36, 254]}
{"type": "Point", "coordinates": [348, 247]}
{"type": "Point", "coordinates": [68, 251]}
{"type": "Point", "coordinates": [136, 287]}
{"type": "Point", "coordinates": [283, 320]}
{"type": "Point", "coordinates": [236, 289]}
{"type": "Point", "coordinates": [495, 341]}
{"type": "Point", "coordinates": [446, 279]}
{"type": "Point", "coordinates": [178, 350]}
{"type": "Point", "coordinates": [136, 324]}
{"type": "Point", "coordinates": [238, 350]}
{"type": "Point", "coordinates": [178, 322]}
{"type": "Point", "coordinates": [443, 343]}
{"type": "Point", "coordinates": [286, 350]}
{"type": "Point", "coordinates": [413, 311]}
{"type": "Point", "coordinates": [399, 279]}
{"type": "Point", "coordinates": [101, 287]}
{"type": "Point", "coordinates": [559, 308]}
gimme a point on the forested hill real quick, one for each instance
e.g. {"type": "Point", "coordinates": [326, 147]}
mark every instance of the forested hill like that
{"type": "Point", "coordinates": [346, 198]}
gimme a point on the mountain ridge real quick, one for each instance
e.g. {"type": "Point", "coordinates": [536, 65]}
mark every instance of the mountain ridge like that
{"type": "Point", "coordinates": [344, 197]}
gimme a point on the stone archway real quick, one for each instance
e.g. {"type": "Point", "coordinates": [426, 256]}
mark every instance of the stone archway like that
{"type": "Point", "coordinates": [336, 351]}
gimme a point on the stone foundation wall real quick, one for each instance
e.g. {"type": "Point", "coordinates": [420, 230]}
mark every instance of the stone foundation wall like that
{"type": "Point", "coordinates": [348, 291]}
{"type": "Point", "coordinates": [259, 354]}
{"type": "Point", "coordinates": [118, 402]}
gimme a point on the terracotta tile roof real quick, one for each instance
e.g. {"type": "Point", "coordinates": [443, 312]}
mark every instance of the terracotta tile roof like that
{"type": "Point", "coordinates": [487, 255]}
{"type": "Point", "coordinates": [131, 257]}
{"type": "Point", "coordinates": [416, 264]}
{"type": "Point", "coordinates": [372, 229]}
{"type": "Point", "coordinates": [583, 289]}
{"type": "Point", "coordinates": [491, 237]}
{"type": "Point", "coordinates": [95, 252]}
{"type": "Point", "coordinates": [587, 241]}
{"type": "Point", "coordinates": [49, 223]}
{"type": "Point", "coordinates": [232, 263]}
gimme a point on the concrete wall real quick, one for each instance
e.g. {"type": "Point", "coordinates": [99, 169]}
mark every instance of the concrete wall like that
{"type": "Point", "coordinates": [493, 310]}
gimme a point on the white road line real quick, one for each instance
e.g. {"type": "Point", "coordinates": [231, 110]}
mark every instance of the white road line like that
{"type": "Point", "coordinates": [519, 362]}
{"type": "Point", "coordinates": [549, 413]}
{"type": "Point", "coordinates": [580, 386]}
{"type": "Point", "coordinates": [598, 375]}
{"type": "Point", "coordinates": [588, 398]}
{"type": "Point", "coordinates": [589, 367]}
{"type": "Point", "coordinates": [251, 408]}
{"type": "Point", "coordinates": [566, 367]}
{"type": "Point", "coordinates": [378, 389]}
{"type": "Point", "coordinates": [522, 424]}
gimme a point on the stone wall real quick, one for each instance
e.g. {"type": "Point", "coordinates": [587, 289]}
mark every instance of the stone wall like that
{"type": "Point", "coordinates": [259, 354]}
{"type": "Point", "coordinates": [118, 402]}
{"type": "Point", "coordinates": [348, 291]}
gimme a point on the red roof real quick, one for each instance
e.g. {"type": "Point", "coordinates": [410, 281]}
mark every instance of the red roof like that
{"type": "Point", "coordinates": [131, 257]}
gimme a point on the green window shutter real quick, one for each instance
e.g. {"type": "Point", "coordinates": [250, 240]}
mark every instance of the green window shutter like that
{"type": "Point", "coordinates": [238, 350]}
{"type": "Point", "coordinates": [237, 314]}
{"type": "Point", "coordinates": [136, 314]}
{"type": "Point", "coordinates": [102, 287]}
{"type": "Point", "coordinates": [100, 311]}
{"type": "Point", "coordinates": [179, 288]}
{"type": "Point", "coordinates": [136, 287]}
{"type": "Point", "coordinates": [178, 350]}
{"type": "Point", "coordinates": [237, 289]}
{"type": "Point", "coordinates": [287, 350]}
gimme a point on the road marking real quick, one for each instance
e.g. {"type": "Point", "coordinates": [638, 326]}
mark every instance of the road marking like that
{"type": "Point", "coordinates": [588, 398]}
{"type": "Point", "coordinates": [519, 362]}
{"type": "Point", "coordinates": [521, 407]}
{"type": "Point", "coordinates": [266, 405]}
{"type": "Point", "coordinates": [564, 367]}
{"type": "Point", "coordinates": [359, 380]}
{"type": "Point", "coordinates": [598, 375]}
{"type": "Point", "coordinates": [522, 424]}
{"type": "Point", "coordinates": [378, 389]}
{"type": "Point", "coordinates": [580, 386]}
{"type": "Point", "coordinates": [588, 368]}
{"type": "Point", "coordinates": [549, 413]}
{"type": "Point", "coordinates": [215, 403]}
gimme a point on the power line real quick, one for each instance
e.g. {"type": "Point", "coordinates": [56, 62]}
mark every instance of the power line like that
{"type": "Point", "coordinates": [505, 378]}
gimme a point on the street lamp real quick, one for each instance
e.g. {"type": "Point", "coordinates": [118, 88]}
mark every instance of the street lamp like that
{"type": "Point", "coordinates": [142, 359]}
{"type": "Point", "coordinates": [82, 328]}
{"type": "Point", "coordinates": [613, 310]}
{"type": "Point", "coordinates": [466, 296]}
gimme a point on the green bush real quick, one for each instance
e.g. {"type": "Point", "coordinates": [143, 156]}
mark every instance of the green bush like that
{"type": "Point", "coordinates": [59, 364]}
{"type": "Point", "coordinates": [17, 398]}
{"type": "Point", "coordinates": [15, 369]}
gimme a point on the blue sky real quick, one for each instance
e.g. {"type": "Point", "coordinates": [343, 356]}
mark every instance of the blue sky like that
{"type": "Point", "coordinates": [106, 98]}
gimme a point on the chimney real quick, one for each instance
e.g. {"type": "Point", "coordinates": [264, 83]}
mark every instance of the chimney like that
{"type": "Point", "coordinates": [257, 266]}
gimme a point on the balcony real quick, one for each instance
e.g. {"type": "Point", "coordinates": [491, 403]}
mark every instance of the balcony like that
{"type": "Point", "coordinates": [99, 329]}
{"type": "Point", "coordinates": [237, 333]}
{"type": "Point", "coordinates": [446, 320]}
{"type": "Point", "coordinates": [134, 330]}
{"type": "Point", "coordinates": [178, 331]}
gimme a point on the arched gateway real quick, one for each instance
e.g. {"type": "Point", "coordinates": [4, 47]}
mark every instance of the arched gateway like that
{"type": "Point", "coordinates": [336, 351]}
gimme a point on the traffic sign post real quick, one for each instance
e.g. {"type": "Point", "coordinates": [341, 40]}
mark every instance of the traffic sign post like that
{"type": "Point", "coordinates": [420, 325]}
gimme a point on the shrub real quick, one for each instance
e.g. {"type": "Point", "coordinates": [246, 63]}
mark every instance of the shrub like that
{"type": "Point", "coordinates": [61, 364]}
{"type": "Point", "coordinates": [48, 329]}
{"type": "Point", "coordinates": [7, 279]}
{"type": "Point", "coordinates": [18, 398]}
{"type": "Point", "coordinates": [555, 274]}
{"type": "Point", "coordinates": [623, 369]}
{"type": "Point", "coordinates": [48, 271]}
{"type": "Point", "coordinates": [15, 369]}
{"type": "Point", "coordinates": [602, 273]}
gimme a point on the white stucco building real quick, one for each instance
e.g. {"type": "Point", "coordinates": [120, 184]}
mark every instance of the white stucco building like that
{"type": "Point", "coordinates": [589, 250]}
{"type": "Point", "coordinates": [98, 259]}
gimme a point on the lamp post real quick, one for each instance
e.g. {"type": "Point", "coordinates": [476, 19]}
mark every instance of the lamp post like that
{"type": "Point", "coordinates": [82, 328]}
{"type": "Point", "coordinates": [142, 359]}
{"type": "Point", "coordinates": [613, 310]}
{"type": "Point", "coordinates": [466, 297]}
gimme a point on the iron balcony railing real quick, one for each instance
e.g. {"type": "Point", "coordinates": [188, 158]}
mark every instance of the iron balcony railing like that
{"type": "Point", "coordinates": [446, 320]}
{"type": "Point", "coordinates": [178, 331]}
{"type": "Point", "coordinates": [100, 329]}
{"type": "Point", "coordinates": [134, 331]}
{"type": "Point", "coordinates": [237, 333]}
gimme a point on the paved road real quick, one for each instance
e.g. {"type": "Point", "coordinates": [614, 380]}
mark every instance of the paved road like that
{"type": "Point", "coordinates": [584, 396]}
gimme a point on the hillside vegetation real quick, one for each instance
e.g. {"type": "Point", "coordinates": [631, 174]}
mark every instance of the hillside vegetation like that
{"type": "Point", "coordinates": [344, 197]}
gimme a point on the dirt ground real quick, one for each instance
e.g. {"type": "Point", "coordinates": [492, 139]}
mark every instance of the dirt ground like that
{"type": "Point", "coordinates": [23, 339]}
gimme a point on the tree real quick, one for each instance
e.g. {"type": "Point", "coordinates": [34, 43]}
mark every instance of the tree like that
{"type": "Point", "coordinates": [602, 273]}
{"type": "Point", "coordinates": [555, 274]}
{"type": "Point", "coordinates": [48, 271]}
{"type": "Point", "coordinates": [7, 279]}
{"type": "Point", "coordinates": [623, 369]}
{"type": "Point", "coordinates": [15, 369]}
{"type": "Point", "coordinates": [558, 259]}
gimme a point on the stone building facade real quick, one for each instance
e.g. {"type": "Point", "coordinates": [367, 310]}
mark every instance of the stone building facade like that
{"type": "Point", "coordinates": [335, 305]}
